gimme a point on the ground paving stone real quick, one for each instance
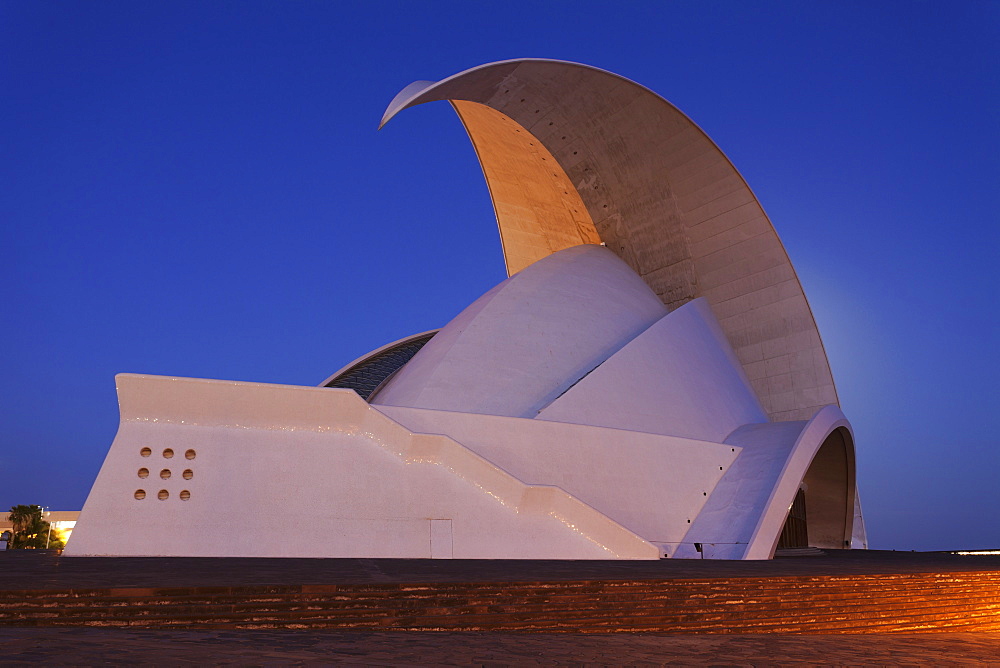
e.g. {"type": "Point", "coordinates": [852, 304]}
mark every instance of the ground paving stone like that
{"type": "Point", "coordinates": [88, 646]}
{"type": "Point", "coordinates": [107, 646]}
{"type": "Point", "coordinates": [21, 569]}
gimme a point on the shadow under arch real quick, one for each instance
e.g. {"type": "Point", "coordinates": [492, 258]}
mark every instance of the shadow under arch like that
{"type": "Point", "coordinates": [822, 462]}
{"type": "Point", "coordinates": [829, 486]}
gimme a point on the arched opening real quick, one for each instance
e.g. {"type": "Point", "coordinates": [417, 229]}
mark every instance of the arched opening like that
{"type": "Point", "coordinates": [822, 513]}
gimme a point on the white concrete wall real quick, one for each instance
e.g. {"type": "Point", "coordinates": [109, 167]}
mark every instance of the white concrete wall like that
{"type": "Point", "coordinates": [523, 343]}
{"type": "Point", "coordinates": [679, 377]}
{"type": "Point", "coordinates": [316, 472]}
{"type": "Point", "coordinates": [653, 485]}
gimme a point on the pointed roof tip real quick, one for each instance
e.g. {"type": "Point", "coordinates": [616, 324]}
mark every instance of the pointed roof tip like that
{"type": "Point", "coordinates": [409, 95]}
{"type": "Point", "coordinates": [403, 99]}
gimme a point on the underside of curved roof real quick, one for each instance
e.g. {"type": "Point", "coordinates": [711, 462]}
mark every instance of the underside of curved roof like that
{"type": "Point", "coordinates": [573, 154]}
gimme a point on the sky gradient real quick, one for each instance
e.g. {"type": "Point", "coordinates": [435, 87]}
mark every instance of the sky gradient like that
{"type": "Point", "coordinates": [198, 189]}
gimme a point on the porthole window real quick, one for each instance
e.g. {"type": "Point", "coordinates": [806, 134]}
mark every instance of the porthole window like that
{"type": "Point", "coordinates": [185, 495]}
{"type": "Point", "coordinates": [145, 452]}
{"type": "Point", "coordinates": [168, 453]}
{"type": "Point", "coordinates": [190, 454]}
{"type": "Point", "coordinates": [143, 473]}
{"type": "Point", "coordinates": [188, 474]}
{"type": "Point", "coordinates": [163, 495]}
{"type": "Point", "coordinates": [140, 494]}
{"type": "Point", "coordinates": [165, 473]}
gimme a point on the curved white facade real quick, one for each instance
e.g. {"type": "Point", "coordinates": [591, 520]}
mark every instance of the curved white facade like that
{"type": "Point", "coordinates": [679, 377]}
{"type": "Point", "coordinates": [522, 344]}
{"type": "Point", "coordinates": [647, 383]}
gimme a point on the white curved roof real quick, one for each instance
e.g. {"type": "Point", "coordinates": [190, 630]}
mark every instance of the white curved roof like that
{"type": "Point", "coordinates": [554, 136]}
{"type": "Point", "coordinates": [523, 343]}
{"type": "Point", "coordinates": [678, 378]}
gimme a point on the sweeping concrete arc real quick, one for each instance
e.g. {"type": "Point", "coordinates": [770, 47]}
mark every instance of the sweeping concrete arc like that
{"type": "Point", "coordinates": [573, 155]}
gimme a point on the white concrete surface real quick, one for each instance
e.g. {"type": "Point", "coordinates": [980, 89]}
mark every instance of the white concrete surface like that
{"type": "Point", "coordinates": [523, 343]}
{"type": "Point", "coordinates": [651, 484]}
{"type": "Point", "coordinates": [679, 377]}
{"type": "Point", "coordinates": [617, 431]}
{"type": "Point", "coordinates": [282, 471]}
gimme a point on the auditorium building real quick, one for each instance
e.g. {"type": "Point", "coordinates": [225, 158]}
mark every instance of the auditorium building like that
{"type": "Point", "coordinates": [647, 383]}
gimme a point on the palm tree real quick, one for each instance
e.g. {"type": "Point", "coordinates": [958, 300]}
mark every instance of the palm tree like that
{"type": "Point", "coordinates": [27, 521]}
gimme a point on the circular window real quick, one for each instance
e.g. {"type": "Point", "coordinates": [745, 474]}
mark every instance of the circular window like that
{"type": "Point", "coordinates": [185, 495]}
{"type": "Point", "coordinates": [143, 473]}
{"type": "Point", "coordinates": [145, 452]}
{"type": "Point", "coordinates": [168, 453]}
{"type": "Point", "coordinates": [165, 473]}
{"type": "Point", "coordinates": [163, 495]}
{"type": "Point", "coordinates": [190, 454]}
{"type": "Point", "coordinates": [140, 494]}
{"type": "Point", "coordinates": [188, 474]}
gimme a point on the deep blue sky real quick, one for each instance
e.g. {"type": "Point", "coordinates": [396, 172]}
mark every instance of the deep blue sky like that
{"type": "Point", "coordinates": [198, 189]}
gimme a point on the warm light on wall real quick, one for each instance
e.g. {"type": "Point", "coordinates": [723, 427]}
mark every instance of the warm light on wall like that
{"type": "Point", "coordinates": [63, 529]}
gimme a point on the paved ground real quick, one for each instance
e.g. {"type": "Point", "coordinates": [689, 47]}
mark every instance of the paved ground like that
{"type": "Point", "coordinates": [85, 647]}
{"type": "Point", "coordinates": [29, 569]}
{"type": "Point", "coordinates": [96, 646]}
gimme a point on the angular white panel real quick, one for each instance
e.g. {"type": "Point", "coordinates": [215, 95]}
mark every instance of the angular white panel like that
{"type": "Point", "coordinates": [652, 485]}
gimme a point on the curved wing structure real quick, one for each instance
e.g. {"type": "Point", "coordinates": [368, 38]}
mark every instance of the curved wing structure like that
{"type": "Point", "coordinates": [655, 189]}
